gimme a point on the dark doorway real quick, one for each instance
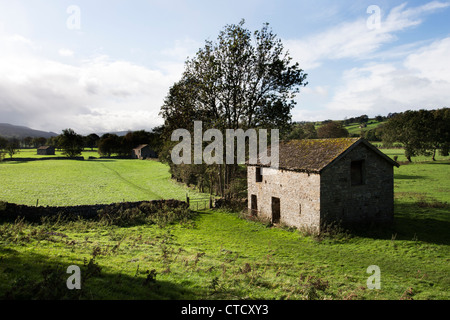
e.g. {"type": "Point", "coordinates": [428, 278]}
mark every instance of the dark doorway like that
{"type": "Point", "coordinates": [254, 204]}
{"type": "Point", "coordinates": [276, 210]}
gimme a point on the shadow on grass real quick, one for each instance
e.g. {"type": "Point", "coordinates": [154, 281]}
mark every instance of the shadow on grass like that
{"type": "Point", "coordinates": [31, 276]}
{"type": "Point", "coordinates": [407, 177]}
{"type": "Point", "coordinates": [427, 224]}
{"type": "Point", "coordinates": [412, 222]}
{"type": "Point", "coordinates": [102, 160]}
{"type": "Point", "coordinates": [444, 162]}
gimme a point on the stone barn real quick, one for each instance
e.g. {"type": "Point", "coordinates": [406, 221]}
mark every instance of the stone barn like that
{"type": "Point", "coordinates": [143, 152]}
{"type": "Point", "coordinates": [324, 181]}
{"type": "Point", "coordinates": [46, 151]}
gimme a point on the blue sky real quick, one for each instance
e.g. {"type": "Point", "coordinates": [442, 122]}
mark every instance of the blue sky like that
{"type": "Point", "coordinates": [98, 66]}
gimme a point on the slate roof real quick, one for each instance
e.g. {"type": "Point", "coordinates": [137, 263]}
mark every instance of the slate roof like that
{"type": "Point", "coordinates": [314, 155]}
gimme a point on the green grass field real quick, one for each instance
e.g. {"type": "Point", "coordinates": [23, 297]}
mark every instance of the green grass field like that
{"type": "Point", "coordinates": [218, 255]}
{"type": "Point", "coordinates": [355, 129]}
{"type": "Point", "coordinates": [32, 153]}
{"type": "Point", "coordinates": [100, 181]}
{"type": "Point", "coordinates": [400, 153]}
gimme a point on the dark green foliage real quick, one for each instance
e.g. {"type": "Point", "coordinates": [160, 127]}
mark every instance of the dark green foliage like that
{"type": "Point", "coordinates": [242, 80]}
{"type": "Point", "coordinates": [12, 147]}
{"type": "Point", "coordinates": [301, 131]}
{"type": "Point", "coordinates": [421, 132]}
{"type": "Point", "coordinates": [91, 141]}
{"type": "Point", "coordinates": [109, 144]}
{"type": "Point", "coordinates": [375, 134]}
{"type": "Point", "coordinates": [50, 286]}
{"type": "Point", "coordinates": [146, 213]}
{"type": "Point", "coordinates": [71, 143]}
{"type": "Point", "coordinates": [333, 129]}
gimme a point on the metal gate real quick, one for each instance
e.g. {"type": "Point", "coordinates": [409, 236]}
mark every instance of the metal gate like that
{"type": "Point", "coordinates": [202, 203]}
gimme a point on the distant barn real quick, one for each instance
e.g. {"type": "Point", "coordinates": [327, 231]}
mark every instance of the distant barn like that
{"type": "Point", "coordinates": [143, 152]}
{"type": "Point", "coordinates": [46, 151]}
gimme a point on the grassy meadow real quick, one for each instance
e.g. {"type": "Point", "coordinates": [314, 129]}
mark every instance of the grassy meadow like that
{"type": "Point", "coordinates": [354, 128]}
{"type": "Point", "coordinates": [217, 254]}
{"type": "Point", "coordinates": [100, 181]}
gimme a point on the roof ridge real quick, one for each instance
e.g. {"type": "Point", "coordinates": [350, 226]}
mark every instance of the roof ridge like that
{"type": "Point", "coordinates": [314, 155]}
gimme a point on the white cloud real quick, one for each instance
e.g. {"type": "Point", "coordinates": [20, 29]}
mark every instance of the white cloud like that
{"type": "Point", "coordinates": [317, 90]}
{"type": "Point", "coordinates": [65, 52]}
{"type": "Point", "coordinates": [354, 39]}
{"type": "Point", "coordinates": [421, 80]}
{"type": "Point", "coordinates": [94, 95]}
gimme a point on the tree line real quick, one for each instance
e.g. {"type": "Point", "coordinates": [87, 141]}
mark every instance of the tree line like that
{"type": "Point", "coordinates": [421, 132]}
{"type": "Point", "coordinates": [335, 129]}
{"type": "Point", "coordinates": [72, 144]}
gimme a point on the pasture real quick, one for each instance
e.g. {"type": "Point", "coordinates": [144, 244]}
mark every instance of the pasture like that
{"type": "Point", "coordinates": [217, 254]}
{"type": "Point", "coordinates": [73, 182]}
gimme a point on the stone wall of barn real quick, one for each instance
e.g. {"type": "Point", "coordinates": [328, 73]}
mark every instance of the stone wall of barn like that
{"type": "Point", "coordinates": [366, 203]}
{"type": "Point", "coordinates": [299, 195]}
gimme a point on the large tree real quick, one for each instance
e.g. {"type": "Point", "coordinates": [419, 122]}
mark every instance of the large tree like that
{"type": "Point", "coordinates": [3, 144]}
{"type": "Point", "coordinates": [91, 141]}
{"type": "Point", "coordinates": [242, 80]}
{"type": "Point", "coordinates": [108, 144]}
{"type": "Point", "coordinates": [71, 143]}
{"type": "Point", "coordinates": [421, 132]}
{"type": "Point", "coordinates": [333, 129]}
{"type": "Point", "coordinates": [301, 131]}
{"type": "Point", "coordinates": [12, 147]}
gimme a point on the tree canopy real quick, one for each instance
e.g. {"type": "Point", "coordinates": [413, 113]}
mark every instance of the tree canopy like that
{"type": "Point", "coordinates": [71, 143]}
{"type": "Point", "coordinates": [242, 80]}
{"type": "Point", "coordinates": [333, 129]}
{"type": "Point", "coordinates": [421, 132]}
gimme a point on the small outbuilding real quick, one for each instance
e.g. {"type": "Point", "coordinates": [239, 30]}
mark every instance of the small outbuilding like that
{"type": "Point", "coordinates": [143, 151]}
{"type": "Point", "coordinates": [323, 181]}
{"type": "Point", "coordinates": [46, 151]}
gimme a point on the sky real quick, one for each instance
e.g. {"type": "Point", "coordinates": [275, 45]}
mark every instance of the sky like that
{"type": "Point", "coordinates": [107, 65]}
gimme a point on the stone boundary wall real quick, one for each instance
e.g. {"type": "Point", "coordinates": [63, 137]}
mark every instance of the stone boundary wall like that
{"type": "Point", "coordinates": [69, 158]}
{"type": "Point", "coordinates": [11, 211]}
{"type": "Point", "coordinates": [43, 158]}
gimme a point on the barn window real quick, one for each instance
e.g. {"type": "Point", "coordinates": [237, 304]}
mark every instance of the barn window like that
{"type": "Point", "coordinates": [357, 172]}
{"type": "Point", "coordinates": [300, 209]}
{"type": "Point", "coordinates": [258, 174]}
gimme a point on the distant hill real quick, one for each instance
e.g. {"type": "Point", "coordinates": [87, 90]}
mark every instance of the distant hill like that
{"type": "Point", "coordinates": [11, 131]}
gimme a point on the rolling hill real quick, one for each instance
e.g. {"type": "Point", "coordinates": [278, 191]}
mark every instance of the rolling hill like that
{"type": "Point", "coordinates": [12, 131]}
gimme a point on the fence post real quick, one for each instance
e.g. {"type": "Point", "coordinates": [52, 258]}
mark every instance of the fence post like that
{"type": "Point", "coordinates": [187, 199]}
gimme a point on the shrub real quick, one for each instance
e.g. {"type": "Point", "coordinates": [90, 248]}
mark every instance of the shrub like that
{"type": "Point", "coordinates": [145, 213]}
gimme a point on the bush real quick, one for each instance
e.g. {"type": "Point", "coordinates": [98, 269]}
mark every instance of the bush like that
{"type": "Point", "coordinates": [145, 213]}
